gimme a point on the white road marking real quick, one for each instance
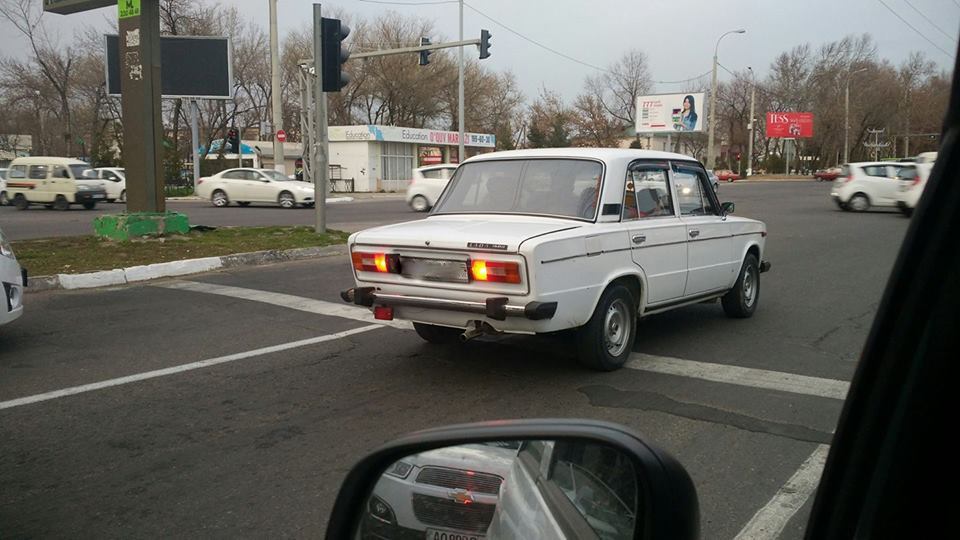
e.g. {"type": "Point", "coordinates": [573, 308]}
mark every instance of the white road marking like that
{"type": "Point", "coordinates": [320, 307]}
{"type": "Point", "coordinates": [770, 520]}
{"type": "Point", "coordinates": [757, 378]}
{"type": "Point", "coordinates": [181, 368]}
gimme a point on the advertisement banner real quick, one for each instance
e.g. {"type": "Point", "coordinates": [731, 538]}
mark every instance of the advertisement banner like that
{"type": "Point", "coordinates": [667, 113]}
{"type": "Point", "coordinates": [409, 135]}
{"type": "Point", "coordinates": [790, 125]}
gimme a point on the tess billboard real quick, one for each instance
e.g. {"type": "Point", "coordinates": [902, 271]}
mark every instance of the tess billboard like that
{"type": "Point", "coordinates": [790, 125]}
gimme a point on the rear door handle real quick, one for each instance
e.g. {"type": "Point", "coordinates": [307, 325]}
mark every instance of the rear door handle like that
{"type": "Point", "coordinates": [639, 239]}
{"type": "Point", "coordinates": [694, 233]}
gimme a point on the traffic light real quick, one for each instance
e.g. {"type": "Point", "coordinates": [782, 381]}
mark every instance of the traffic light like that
{"type": "Point", "coordinates": [334, 54]}
{"type": "Point", "coordinates": [484, 44]}
{"type": "Point", "coordinates": [233, 141]}
{"type": "Point", "coordinates": [424, 55]}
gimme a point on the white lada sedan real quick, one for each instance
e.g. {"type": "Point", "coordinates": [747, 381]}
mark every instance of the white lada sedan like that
{"type": "Point", "coordinates": [539, 241]}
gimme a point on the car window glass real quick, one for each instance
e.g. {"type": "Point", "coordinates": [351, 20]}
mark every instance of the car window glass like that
{"type": "Point", "coordinates": [434, 174]}
{"type": "Point", "coordinates": [17, 171]}
{"type": "Point", "coordinates": [691, 192]}
{"type": "Point", "coordinates": [600, 483]}
{"type": "Point", "coordinates": [38, 172]}
{"type": "Point", "coordinates": [234, 175]}
{"type": "Point", "coordinates": [879, 171]}
{"type": "Point", "coordinates": [647, 192]}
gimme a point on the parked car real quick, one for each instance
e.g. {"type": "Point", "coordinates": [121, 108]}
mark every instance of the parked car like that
{"type": "Point", "coordinates": [54, 182]}
{"type": "Point", "coordinates": [714, 179]}
{"type": "Point", "coordinates": [3, 188]}
{"type": "Point", "coordinates": [538, 241]}
{"type": "Point", "coordinates": [828, 175]}
{"type": "Point", "coordinates": [449, 493]}
{"type": "Point", "coordinates": [12, 279]}
{"type": "Point", "coordinates": [861, 186]}
{"type": "Point", "coordinates": [726, 175]}
{"type": "Point", "coordinates": [115, 179]}
{"type": "Point", "coordinates": [912, 181]}
{"type": "Point", "coordinates": [427, 185]}
{"type": "Point", "coordinates": [245, 186]}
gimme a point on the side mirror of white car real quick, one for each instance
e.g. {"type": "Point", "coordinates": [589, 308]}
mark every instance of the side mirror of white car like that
{"type": "Point", "coordinates": [518, 479]}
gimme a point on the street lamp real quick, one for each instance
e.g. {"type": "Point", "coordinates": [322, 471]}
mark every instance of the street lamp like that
{"type": "Point", "coordinates": [846, 116]}
{"type": "Point", "coordinates": [713, 97]}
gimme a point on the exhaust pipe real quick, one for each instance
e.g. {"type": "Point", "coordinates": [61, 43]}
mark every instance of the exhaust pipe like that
{"type": "Point", "coordinates": [479, 328]}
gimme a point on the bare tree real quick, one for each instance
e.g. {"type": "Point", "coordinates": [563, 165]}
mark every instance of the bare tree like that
{"type": "Point", "coordinates": [617, 89]}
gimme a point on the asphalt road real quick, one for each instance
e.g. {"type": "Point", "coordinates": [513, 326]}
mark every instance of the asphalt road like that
{"type": "Point", "coordinates": [257, 446]}
{"type": "Point", "coordinates": [39, 222]}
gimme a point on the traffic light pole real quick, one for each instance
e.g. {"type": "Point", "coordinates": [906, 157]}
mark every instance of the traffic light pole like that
{"type": "Point", "coordinates": [321, 170]}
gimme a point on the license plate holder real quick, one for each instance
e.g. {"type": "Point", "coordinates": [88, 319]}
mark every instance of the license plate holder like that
{"type": "Point", "coordinates": [445, 270]}
{"type": "Point", "coordinates": [443, 534]}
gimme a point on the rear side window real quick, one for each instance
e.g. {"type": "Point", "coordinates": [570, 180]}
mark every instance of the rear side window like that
{"type": "Point", "coordinates": [17, 171]}
{"type": "Point", "coordinates": [433, 174]}
{"type": "Point", "coordinates": [907, 173]}
{"type": "Point", "coordinates": [235, 175]}
{"type": "Point", "coordinates": [879, 171]}
{"type": "Point", "coordinates": [38, 172]}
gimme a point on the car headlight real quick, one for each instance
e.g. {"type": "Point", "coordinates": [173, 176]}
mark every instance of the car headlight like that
{"type": "Point", "coordinates": [380, 510]}
{"type": "Point", "coordinates": [400, 469]}
{"type": "Point", "coordinates": [6, 249]}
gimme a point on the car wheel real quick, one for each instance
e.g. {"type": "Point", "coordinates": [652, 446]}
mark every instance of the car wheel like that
{"type": "Point", "coordinates": [309, 205]}
{"type": "Point", "coordinates": [61, 203]}
{"type": "Point", "coordinates": [741, 301]}
{"type": "Point", "coordinates": [4, 200]}
{"type": "Point", "coordinates": [419, 204]}
{"type": "Point", "coordinates": [219, 198]}
{"type": "Point", "coordinates": [439, 335]}
{"type": "Point", "coordinates": [123, 196]}
{"type": "Point", "coordinates": [89, 205]}
{"type": "Point", "coordinates": [287, 200]}
{"type": "Point", "coordinates": [859, 202]}
{"type": "Point", "coordinates": [243, 203]}
{"type": "Point", "coordinates": [606, 341]}
{"type": "Point", "coordinates": [20, 202]}
{"type": "Point", "coordinates": [111, 200]}
{"type": "Point", "coordinates": [906, 210]}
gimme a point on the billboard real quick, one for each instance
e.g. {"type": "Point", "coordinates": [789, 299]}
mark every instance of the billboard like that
{"type": "Point", "coordinates": [790, 125]}
{"type": "Point", "coordinates": [190, 67]}
{"type": "Point", "coordinates": [431, 137]}
{"type": "Point", "coordinates": [667, 113]}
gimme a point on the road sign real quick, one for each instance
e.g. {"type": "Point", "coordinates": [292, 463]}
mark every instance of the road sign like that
{"type": "Point", "coordinates": [281, 135]}
{"type": "Point", "coordinates": [64, 7]}
{"type": "Point", "coordinates": [128, 8]}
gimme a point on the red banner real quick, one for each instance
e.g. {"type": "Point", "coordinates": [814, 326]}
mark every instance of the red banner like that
{"type": "Point", "coordinates": [790, 125]}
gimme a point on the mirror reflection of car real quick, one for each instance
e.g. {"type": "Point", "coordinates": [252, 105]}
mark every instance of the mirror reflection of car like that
{"type": "Point", "coordinates": [55, 182]}
{"type": "Point", "coordinates": [245, 186]}
{"type": "Point", "coordinates": [13, 279]}
{"type": "Point", "coordinates": [427, 185]}
{"type": "Point", "coordinates": [443, 494]}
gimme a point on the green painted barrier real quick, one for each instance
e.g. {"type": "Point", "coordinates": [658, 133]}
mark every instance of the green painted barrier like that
{"type": "Point", "coordinates": [137, 224]}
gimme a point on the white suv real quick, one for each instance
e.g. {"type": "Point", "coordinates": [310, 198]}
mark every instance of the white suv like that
{"type": "Point", "coordinates": [863, 185]}
{"type": "Point", "coordinates": [427, 185]}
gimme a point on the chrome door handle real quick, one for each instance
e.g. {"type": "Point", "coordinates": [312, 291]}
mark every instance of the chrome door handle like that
{"type": "Point", "coordinates": [639, 239]}
{"type": "Point", "coordinates": [694, 233]}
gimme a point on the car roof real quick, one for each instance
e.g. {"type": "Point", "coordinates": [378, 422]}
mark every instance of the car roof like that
{"type": "Point", "coordinates": [437, 166]}
{"type": "Point", "coordinates": [47, 160]}
{"type": "Point", "coordinates": [603, 154]}
{"type": "Point", "coordinates": [870, 163]}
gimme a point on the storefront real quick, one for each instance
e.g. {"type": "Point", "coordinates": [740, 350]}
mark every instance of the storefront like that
{"type": "Point", "coordinates": [382, 158]}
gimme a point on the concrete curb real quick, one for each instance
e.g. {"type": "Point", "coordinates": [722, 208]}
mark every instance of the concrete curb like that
{"type": "Point", "coordinates": [134, 274]}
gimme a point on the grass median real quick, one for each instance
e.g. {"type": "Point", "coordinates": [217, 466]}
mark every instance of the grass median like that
{"type": "Point", "coordinates": [75, 255]}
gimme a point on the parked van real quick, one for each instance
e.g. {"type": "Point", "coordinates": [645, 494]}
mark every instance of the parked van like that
{"type": "Point", "coordinates": [55, 182]}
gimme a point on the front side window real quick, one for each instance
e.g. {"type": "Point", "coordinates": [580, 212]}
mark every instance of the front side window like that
{"type": "Point", "coordinates": [601, 483]}
{"type": "Point", "coordinates": [555, 187]}
{"type": "Point", "coordinates": [647, 191]}
{"type": "Point", "coordinates": [691, 184]}
{"type": "Point", "coordinates": [79, 170]}
{"type": "Point", "coordinates": [276, 176]}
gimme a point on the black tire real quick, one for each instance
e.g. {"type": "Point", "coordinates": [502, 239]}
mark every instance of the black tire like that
{"type": "Point", "coordinates": [111, 200]}
{"type": "Point", "coordinates": [859, 202]}
{"type": "Point", "coordinates": [243, 203]}
{"type": "Point", "coordinates": [20, 202]}
{"type": "Point", "coordinates": [89, 205]}
{"type": "Point", "coordinates": [123, 196]}
{"type": "Point", "coordinates": [606, 341]}
{"type": "Point", "coordinates": [906, 211]}
{"type": "Point", "coordinates": [286, 200]}
{"type": "Point", "coordinates": [309, 205]}
{"type": "Point", "coordinates": [61, 203]}
{"type": "Point", "coordinates": [439, 335]}
{"type": "Point", "coordinates": [741, 301]}
{"type": "Point", "coordinates": [419, 203]}
{"type": "Point", "coordinates": [219, 198]}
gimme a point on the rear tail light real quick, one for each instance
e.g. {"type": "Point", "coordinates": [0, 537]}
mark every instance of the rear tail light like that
{"type": "Point", "coordinates": [495, 271]}
{"type": "Point", "coordinates": [384, 263]}
{"type": "Point", "coordinates": [383, 313]}
{"type": "Point", "coordinates": [916, 180]}
{"type": "Point", "coordinates": [848, 178]}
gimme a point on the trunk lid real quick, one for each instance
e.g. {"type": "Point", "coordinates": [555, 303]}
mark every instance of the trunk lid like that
{"type": "Point", "coordinates": [484, 232]}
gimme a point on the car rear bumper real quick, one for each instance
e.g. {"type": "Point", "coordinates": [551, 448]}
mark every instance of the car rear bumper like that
{"type": "Point", "coordinates": [496, 308]}
{"type": "Point", "coordinates": [90, 196]}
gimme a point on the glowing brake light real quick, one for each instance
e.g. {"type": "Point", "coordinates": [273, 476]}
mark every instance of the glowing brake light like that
{"type": "Point", "coordinates": [385, 263]}
{"type": "Point", "coordinates": [495, 271]}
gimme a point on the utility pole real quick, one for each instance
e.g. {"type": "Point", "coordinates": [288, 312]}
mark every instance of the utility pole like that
{"type": "Point", "coordinates": [713, 99]}
{"type": "Point", "coordinates": [279, 163]}
{"type": "Point", "coordinates": [195, 140]}
{"type": "Point", "coordinates": [319, 154]}
{"type": "Point", "coordinates": [750, 126]}
{"type": "Point", "coordinates": [876, 145]}
{"type": "Point", "coordinates": [460, 156]}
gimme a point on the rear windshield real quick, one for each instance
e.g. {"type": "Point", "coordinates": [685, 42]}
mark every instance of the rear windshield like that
{"type": "Point", "coordinates": [554, 187]}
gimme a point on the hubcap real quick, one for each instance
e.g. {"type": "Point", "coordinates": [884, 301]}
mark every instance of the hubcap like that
{"type": "Point", "coordinates": [616, 328]}
{"type": "Point", "coordinates": [286, 202]}
{"type": "Point", "coordinates": [419, 204]}
{"type": "Point", "coordinates": [219, 199]}
{"type": "Point", "coordinates": [749, 287]}
{"type": "Point", "coordinates": [859, 203]}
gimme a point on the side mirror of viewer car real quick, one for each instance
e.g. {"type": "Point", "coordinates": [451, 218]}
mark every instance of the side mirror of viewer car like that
{"type": "Point", "coordinates": [518, 479]}
{"type": "Point", "coordinates": [728, 207]}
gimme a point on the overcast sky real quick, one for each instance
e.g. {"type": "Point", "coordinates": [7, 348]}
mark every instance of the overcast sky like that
{"type": "Point", "coordinates": [678, 36]}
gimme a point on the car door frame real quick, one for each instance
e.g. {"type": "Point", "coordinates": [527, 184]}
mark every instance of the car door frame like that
{"type": "Point", "coordinates": [260, 187]}
{"type": "Point", "coordinates": [659, 239]}
{"type": "Point", "coordinates": [236, 188]}
{"type": "Point", "coordinates": [711, 265]}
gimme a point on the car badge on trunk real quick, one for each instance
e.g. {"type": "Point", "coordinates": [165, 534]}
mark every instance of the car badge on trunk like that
{"type": "Point", "coordinates": [482, 245]}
